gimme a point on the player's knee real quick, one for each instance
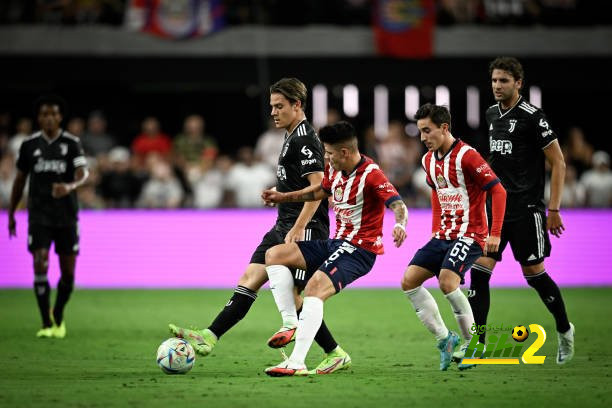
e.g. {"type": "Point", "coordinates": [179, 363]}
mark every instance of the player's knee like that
{"type": "Point", "coordinates": [319, 285]}
{"type": "Point", "coordinates": [447, 285]}
{"type": "Point", "coordinates": [41, 262]}
{"type": "Point", "coordinates": [408, 282]}
{"type": "Point", "coordinates": [531, 270]}
{"type": "Point", "coordinates": [273, 256]}
{"type": "Point", "coordinates": [253, 278]}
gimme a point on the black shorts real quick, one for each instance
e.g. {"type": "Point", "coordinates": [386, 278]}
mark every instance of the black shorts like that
{"type": "Point", "coordinates": [528, 239]}
{"type": "Point", "coordinates": [66, 239]}
{"type": "Point", "coordinates": [342, 261]}
{"type": "Point", "coordinates": [276, 237]}
{"type": "Point", "coordinates": [457, 255]}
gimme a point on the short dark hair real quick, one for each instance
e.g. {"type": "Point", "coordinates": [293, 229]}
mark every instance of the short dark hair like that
{"type": "Point", "coordinates": [50, 100]}
{"type": "Point", "coordinates": [293, 89]}
{"type": "Point", "coordinates": [339, 132]}
{"type": "Point", "coordinates": [508, 64]}
{"type": "Point", "coordinates": [438, 114]}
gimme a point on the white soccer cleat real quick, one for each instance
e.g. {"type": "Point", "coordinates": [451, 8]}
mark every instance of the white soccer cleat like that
{"type": "Point", "coordinates": [566, 345]}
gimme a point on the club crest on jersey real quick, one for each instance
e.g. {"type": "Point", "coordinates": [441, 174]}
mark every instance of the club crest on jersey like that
{"type": "Point", "coordinates": [63, 148]}
{"type": "Point", "coordinates": [512, 125]}
{"type": "Point", "coordinates": [338, 193]}
{"type": "Point", "coordinates": [281, 173]}
{"type": "Point", "coordinates": [441, 181]}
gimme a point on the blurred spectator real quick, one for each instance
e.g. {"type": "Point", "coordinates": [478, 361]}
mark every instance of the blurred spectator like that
{"type": "Point", "coordinates": [422, 190]}
{"type": "Point", "coordinates": [396, 160]}
{"type": "Point", "coordinates": [573, 191]}
{"type": "Point", "coordinates": [577, 151]}
{"type": "Point", "coordinates": [76, 126]}
{"type": "Point", "coordinates": [370, 144]}
{"type": "Point", "coordinates": [162, 190]}
{"type": "Point", "coordinates": [193, 144]}
{"type": "Point", "coordinates": [519, 12]}
{"type": "Point", "coordinates": [248, 178]}
{"type": "Point", "coordinates": [598, 181]}
{"type": "Point", "coordinates": [151, 140]}
{"type": "Point", "coordinates": [7, 176]}
{"type": "Point", "coordinates": [269, 145]}
{"type": "Point", "coordinates": [96, 140]}
{"type": "Point", "coordinates": [210, 188]}
{"type": "Point", "coordinates": [24, 129]}
{"type": "Point", "coordinates": [457, 12]}
{"type": "Point", "coordinates": [119, 186]}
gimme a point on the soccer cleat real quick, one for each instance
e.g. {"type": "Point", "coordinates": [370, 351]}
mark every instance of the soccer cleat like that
{"type": "Point", "coordinates": [202, 341]}
{"type": "Point", "coordinates": [59, 332]}
{"type": "Point", "coordinates": [45, 333]}
{"type": "Point", "coordinates": [446, 347]}
{"type": "Point", "coordinates": [282, 337]}
{"type": "Point", "coordinates": [286, 369]}
{"type": "Point", "coordinates": [458, 357]}
{"type": "Point", "coordinates": [566, 345]}
{"type": "Point", "coordinates": [336, 360]}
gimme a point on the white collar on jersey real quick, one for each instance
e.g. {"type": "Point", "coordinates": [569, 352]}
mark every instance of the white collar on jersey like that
{"type": "Point", "coordinates": [501, 115]}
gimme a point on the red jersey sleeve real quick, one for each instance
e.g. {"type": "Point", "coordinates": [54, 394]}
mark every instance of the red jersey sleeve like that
{"type": "Point", "coordinates": [479, 171]}
{"type": "Point", "coordinates": [378, 184]}
{"type": "Point", "coordinates": [326, 183]}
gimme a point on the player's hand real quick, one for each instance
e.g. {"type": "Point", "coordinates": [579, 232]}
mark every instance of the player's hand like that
{"type": "Point", "coordinates": [491, 245]}
{"type": "Point", "coordinates": [12, 226]}
{"type": "Point", "coordinates": [554, 223]}
{"type": "Point", "coordinates": [271, 197]}
{"type": "Point", "coordinates": [59, 190]}
{"type": "Point", "coordinates": [295, 234]}
{"type": "Point", "coordinates": [399, 235]}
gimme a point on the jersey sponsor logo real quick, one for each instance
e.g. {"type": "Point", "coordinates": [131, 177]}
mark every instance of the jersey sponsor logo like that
{"type": "Point", "coordinates": [50, 166]}
{"type": "Point", "coordinates": [502, 146]}
{"type": "Point", "coordinates": [441, 181]}
{"type": "Point", "coordinates": [281, 173]}
{"type": "Point", "coordinates": [63, 148]}
{"type": "Point", "coordinates": [306, 152]}
{"type": "Point", "coordinates": [543, 124]}
{"type": "Point", "coordinates": [512, 125]}
{"type": "Point", "coordinates": [450, 201]}
{"type": "Point", "coordinates": [547, 133]}
{"type": "Point", "coordinates": [308, 161]}
{"type": "Point", "coordinates": [344, 214]}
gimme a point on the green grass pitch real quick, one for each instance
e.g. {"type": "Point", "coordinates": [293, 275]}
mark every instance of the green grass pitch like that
{"type": "Point", "coordinates": [108, 357]}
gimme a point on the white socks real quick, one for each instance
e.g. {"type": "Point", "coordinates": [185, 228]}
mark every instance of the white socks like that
{"type": "Point", "coordinates": [463, 312]}
{"type": "Point", "coordinates": [309, 323]}
{"type": "Point", "coordinates": [281, 285]}
{"type": "Point", "coordinates": [427, 310]}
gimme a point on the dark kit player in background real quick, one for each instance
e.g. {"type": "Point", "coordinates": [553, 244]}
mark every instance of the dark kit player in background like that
{"type": "Point", "coordinates": [54, 161]}
{"type": "Point", "coordinates": [300, 165]}
{"type": "Point", "coordinates": [520, 141]}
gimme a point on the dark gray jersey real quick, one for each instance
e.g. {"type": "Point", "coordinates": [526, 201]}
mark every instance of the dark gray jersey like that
{"type": "Point", "coordinates": [302, 154]}
{"type": "Point", "coordinates": [517, 137]}
{"type": "Point", "coordinates": [46, 163]}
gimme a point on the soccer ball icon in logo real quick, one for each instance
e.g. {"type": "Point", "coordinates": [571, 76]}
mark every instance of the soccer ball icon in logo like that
{"type": "Point", "coordinates": [520, 333]}
{"type": "Point", "coordinates": [175, 356]}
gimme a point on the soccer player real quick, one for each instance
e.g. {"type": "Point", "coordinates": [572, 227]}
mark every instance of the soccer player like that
{"type": "Point", "coordinates": [360, 191]}
{"type": "Point", "coordinates": [520, 141]}
{"type": "Point", "coordinates": [55, 162]}
{"type": "Point", "coordinates": [460, 179]}
{"type": "Point", "coordinates": [300, 165]}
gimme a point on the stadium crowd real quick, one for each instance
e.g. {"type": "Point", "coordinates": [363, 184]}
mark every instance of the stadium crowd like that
{"type": "Point", "coordinates": [189, 170]}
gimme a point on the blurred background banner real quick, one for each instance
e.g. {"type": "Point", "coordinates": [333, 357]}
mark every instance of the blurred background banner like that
{"type": "Point", "coordinates": [404, 28]}
{"type": "Point", "coordinates": [210, 249]}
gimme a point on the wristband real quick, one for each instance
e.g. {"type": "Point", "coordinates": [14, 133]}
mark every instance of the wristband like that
{"type": "Point", "coordinates": [551, 210]}
{"type": "Point", "coordinates": [400, 225]}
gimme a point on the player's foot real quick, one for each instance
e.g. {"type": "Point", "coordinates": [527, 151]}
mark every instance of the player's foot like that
{"type": "Point", "coordinates": [566, 345]}
{"type": "Point", "coordinates": [446, 347]}
{"type": "Point", "coordinates": [202, 341]}
{"type": "Point", "coordinates": [286, 369]}
{"type": "Point", "coordinates": [282, 337]}
{"type": "Point", "coordinates": [59, 332]}
{"type": "Point", "coordinates": [458, 357]}
{"type": "Point", "coordinates": [45, 333]}
{"type": "Point", "coordinates": [336, 360]}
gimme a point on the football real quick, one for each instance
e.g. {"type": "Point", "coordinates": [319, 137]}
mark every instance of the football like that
{"type": "Point", "coordinates": [520, 333]}
{"type": "Point", "coordinates": [175, 356]}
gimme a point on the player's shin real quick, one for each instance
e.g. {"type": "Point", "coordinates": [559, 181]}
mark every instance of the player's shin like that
{"type": "Point", "coordinates": [235, 309]}
{"type": "Point", "coordinates": [463, 312]}
{"type": "Point", "coordinates": [551, 296]}
{"type": "Point", "coordinates": [479, 295]}
{"type": "Point", "coordinates": [281, 285]}
{"type": "Point", "coordinates": [427, 311]}
{"type": "Point", "coordinates": [42, 291]}
{"type": "Point", "coordinates": [65, 287]}
{"type": "Point", "coordinates": [310, 321]}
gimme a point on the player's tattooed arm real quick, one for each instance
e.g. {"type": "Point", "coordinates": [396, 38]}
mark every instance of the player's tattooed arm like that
{"type": "Point", "coordinates": [310, 193]}
{"type": "Point", "coordinates": [401, 218]}
{"type": "Point", "coordinates": [62, 189]}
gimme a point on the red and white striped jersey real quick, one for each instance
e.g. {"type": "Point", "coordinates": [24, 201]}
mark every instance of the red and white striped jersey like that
{"type": "Point", "coordinates": [461, 179]}
{"type": "Point", "coordinates": [359, 201]}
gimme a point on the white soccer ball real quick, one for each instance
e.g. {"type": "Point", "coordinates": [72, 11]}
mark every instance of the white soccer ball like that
{"type": "Point", "coordinates": [175, 356]}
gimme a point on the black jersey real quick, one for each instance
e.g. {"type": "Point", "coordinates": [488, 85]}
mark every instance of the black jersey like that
{"type": "Point", "coordinates": [301, 155]}
{"type": "Point", "coordinates": [516, 139]}
{"type": "Point", "coordinates": [47, 163]}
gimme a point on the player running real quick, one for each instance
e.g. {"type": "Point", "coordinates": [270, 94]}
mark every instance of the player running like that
{"type": "Point", "coordinates": [460, 179]}
{"type": "Point", "coordinates": [360, 191]}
